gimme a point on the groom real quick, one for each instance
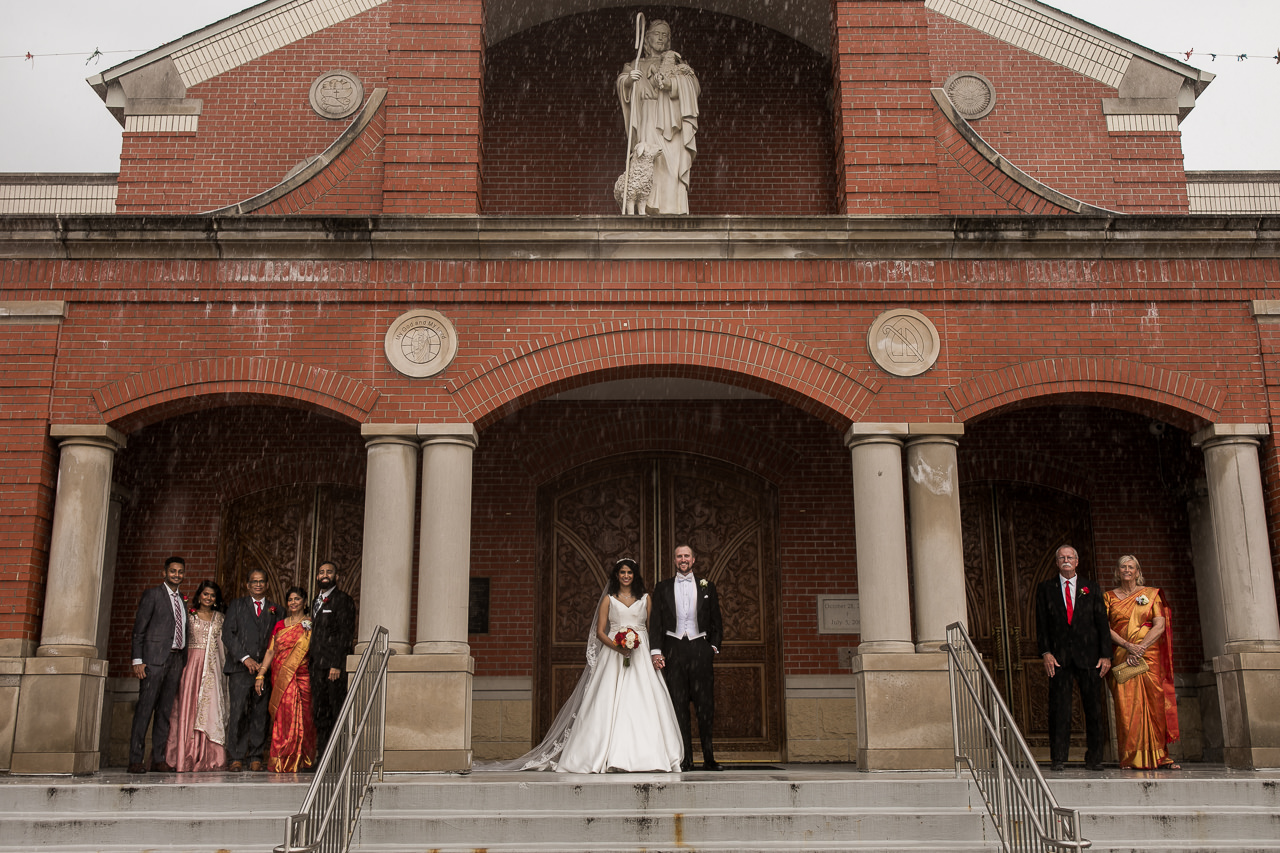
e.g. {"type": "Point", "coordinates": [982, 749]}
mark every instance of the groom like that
{"type": "Point", "coordinates": [686, 622]}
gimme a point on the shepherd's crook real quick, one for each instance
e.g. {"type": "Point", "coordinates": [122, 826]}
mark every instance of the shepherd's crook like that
{"type": "Point", "coordinates": [631, 113]}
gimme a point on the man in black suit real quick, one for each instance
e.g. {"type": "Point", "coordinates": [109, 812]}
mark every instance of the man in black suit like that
{"type": "Point", "coordinates": [333, 618]}
{"type": "Point", "coordinates": [246, 633]}
{"type": "Point", "coordinates": [1073, 637]}
{"type": "Point", "coordinates": [159, 651]}
{"type": "Point", "coordinates": [686, 624]}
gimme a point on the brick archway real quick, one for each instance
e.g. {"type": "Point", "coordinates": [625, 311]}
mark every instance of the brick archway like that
{"type": "Point", "coordinates": [830, 390]}
{"type": "Point", "coordinates": [1179, 398]}
{"type": "Point", "coordinates": [173, 389]}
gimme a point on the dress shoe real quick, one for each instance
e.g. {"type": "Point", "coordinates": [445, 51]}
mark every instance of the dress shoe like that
{"type": "Point", "coordinates": [1057, 767]}
{"type": "Point", "coordinates": [236, 767]}
{"type": "Point", "coordinates": [712, 765]}
{"type": "Point", "coordinates": [686, 766]}
{"type": "Point", "coordinates": [138, 768]}
{"type": "Point", "coordinates": [1095, 766]}
{"type": "Point", "coordinates": [161, 767]}
{"type": "Point", "coordinates": [255, 766]}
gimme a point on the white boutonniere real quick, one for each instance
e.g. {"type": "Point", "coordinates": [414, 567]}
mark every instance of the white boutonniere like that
{"type": "Point", "coordinates": [703, 583]}
{"type": "Point", "coordinates": [1143, 600]}
{"type": "Point", "coordinates": [306, 624]}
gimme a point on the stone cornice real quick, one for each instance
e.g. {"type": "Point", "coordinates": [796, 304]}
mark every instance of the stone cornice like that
{"type": "Point", "coordinates": [617, 238]}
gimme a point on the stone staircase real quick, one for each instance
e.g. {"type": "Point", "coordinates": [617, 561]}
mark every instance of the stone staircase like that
{"type": "Point", "coordinates": [115, 812]}
{"type": "Point", "coordinates": [1198, 810]}
{"type": "Point", "coordinates": [798, 808]}
{"type": "Point", "coordinates": [745, 811]}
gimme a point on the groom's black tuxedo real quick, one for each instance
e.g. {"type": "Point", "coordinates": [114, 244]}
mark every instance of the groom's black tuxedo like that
{"type": "Point", "coordinates": [1078, 647]}
{"type": "Point", "coordinates": [689, 672]}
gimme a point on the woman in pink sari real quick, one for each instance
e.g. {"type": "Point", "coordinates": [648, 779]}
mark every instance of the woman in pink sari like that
{"type": "Point", "coordinates": [293, 734]}
{"type": "Point", "coordinates": [198, 728]}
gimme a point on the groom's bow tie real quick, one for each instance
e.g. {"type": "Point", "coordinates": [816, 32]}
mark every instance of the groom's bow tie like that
{"type": "Point", "coordinates": [684, 578]}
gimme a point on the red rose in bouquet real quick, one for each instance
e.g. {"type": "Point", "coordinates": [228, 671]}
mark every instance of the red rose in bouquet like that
{"type": "Point", "coordinates": [627, 639]}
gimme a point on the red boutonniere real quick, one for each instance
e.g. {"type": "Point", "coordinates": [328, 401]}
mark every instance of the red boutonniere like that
{"type": "Point", "coordinates": [1084, 590]}
{"type": "Point", "coordinates": [191, 610]}
{"type": "Point", "coordinates": [272, 610]}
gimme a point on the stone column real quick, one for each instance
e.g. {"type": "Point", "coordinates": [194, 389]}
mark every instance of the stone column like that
{"type": "Point", "coordinates": [879, 523]}
{"type": "Point", "coordinates": [904, 713]}
{"type": "Point", "coordinates": [60, 701]}
{"type": "Point", "coordinates": [391, 479]}
{"type": "Point", "coordinates": [937, 549]}
{"type": "Point", "coordinates": [429, 691]}
{"type": "Point", "coordinates": [1248, 670]}
{"type": "Point", "coordinates": [1204, 559]}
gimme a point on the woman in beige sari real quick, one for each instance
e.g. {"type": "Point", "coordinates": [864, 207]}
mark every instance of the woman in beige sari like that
{"type": "Point", "coordinates": [293, 734]}
{"type": "Point", "coordinates": [1146, 707]}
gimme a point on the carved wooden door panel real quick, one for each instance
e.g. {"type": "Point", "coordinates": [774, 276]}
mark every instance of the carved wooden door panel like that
{"type": "Point", "coordinates": [287, 532]}
{"type": "Point", "coordinates": [1012, 532]}
{"type": "Point", "coordinates": [642, 506]}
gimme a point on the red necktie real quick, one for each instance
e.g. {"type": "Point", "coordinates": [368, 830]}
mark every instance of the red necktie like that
{"type": "Point", "coordinates": [1066, 590]}
{"type": "Point", "coordinates": [258, 606]}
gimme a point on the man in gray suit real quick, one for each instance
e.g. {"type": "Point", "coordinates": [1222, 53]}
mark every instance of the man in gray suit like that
{"type": "Point", "coordinates": [159, 653]}
{"type": "Point", "coordinates": [246, 634]}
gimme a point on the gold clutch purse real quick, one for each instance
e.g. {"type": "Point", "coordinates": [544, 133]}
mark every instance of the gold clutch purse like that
{"type": "Point", "coordinates": [1124, 671]}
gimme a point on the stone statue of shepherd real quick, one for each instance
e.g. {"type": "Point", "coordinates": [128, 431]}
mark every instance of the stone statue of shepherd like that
{"type": "Point", "coordinates": [659, 97]}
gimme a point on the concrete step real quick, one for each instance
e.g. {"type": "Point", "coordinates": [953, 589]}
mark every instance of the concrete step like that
{"type": "Point", "coordinates": [1212, 809]}
{"type": "Point", "coordinates": [537, 812]}
{"type": "Point", "coordinates": [168, 812]}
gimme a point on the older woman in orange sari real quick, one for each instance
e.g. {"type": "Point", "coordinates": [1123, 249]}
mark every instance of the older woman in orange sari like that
{"type": "Point", "coordinates": [1146, 706]}
{"type": "Point", "coordinates": [293, 735]}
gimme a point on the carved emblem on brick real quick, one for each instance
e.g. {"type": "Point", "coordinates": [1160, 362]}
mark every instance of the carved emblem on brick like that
{"type": "Point", "coordinates": [972, 94]}
{"type": "Point", "coordinates": [336, 94]}
{"type": "Point", "coordinates": [421, 343]}
{"type": "Point", "coordinates": [904, 342]}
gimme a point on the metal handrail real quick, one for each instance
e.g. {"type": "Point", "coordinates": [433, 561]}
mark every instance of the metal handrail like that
{"type": "Point", "coordinates": [988, 742]}
{"type": "Point", "coordinates": [327, 818]}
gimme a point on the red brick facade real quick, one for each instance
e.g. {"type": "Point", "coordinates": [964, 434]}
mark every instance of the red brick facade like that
{"type": "Point", "coordinates": [238, 354]}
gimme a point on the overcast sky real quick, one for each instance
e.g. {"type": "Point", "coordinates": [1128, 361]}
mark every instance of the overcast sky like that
{"type": "Point", "coordinates": [55, 123]}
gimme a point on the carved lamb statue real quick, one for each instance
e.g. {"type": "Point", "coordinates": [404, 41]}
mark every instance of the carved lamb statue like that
{"type": "Point", "coordinates": [640, 184]}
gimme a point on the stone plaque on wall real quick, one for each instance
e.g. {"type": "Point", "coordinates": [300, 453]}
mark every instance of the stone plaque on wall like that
{"type": "Point", "coordinates": [421, 343]}
{"type": "Point", "coordinates": [839, 614]}
{"type": "Point", "coordinates": [336, 94]}
{"type": "Point", "coordinates": [904, 342]}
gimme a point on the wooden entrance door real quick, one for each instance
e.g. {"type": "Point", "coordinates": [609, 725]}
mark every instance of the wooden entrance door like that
{"type": "Point", "coordinates": [643, 506]}
{"type": "Point", "coordinates": [287, 532]}
{"type": "Point", "coordinates": [1012, 532]}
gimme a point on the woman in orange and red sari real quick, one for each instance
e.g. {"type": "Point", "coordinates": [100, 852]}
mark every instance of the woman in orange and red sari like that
{"type": "Point", "coordinates": [293, 735]}
{"type": "Point", "coordinates": [1146, 707]}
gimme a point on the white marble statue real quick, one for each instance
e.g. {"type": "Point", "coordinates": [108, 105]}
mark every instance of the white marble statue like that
{"type": "Point", "coordinates": [659, 97]}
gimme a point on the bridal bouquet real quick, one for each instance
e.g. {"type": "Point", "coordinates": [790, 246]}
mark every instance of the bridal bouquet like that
{"type": "Point", "coordinates": [628, 639]}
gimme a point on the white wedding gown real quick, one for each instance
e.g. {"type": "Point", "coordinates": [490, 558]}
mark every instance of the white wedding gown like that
{"type": "Point", "coordinates": [625, 721]}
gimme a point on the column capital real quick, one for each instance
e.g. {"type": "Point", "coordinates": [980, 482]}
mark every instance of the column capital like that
{"type": "Point", "coordinates": [1230, 433]}
{"type": "Point", "coordinates": [98, 434]}
{"type": "Point", "coordinates": [865, 430]}
{"type": "Point", "coordinates": [448, 434]}
{"type": "Point", "coordinates": [372, 431]}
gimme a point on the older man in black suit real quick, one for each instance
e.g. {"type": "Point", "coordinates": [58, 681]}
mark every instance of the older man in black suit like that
{"type": "Point", "coordinates": [159, 653]}
{"type": "Point", "coordinates": [246, 634]}
{"type": "Point", "coordinates": [333, 632]}
{"type": "Point", "coordinates": [1073, 637]}
{"type": "Point", "coordinates": [684, 639]}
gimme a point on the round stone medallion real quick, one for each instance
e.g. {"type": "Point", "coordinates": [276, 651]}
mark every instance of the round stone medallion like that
{"type": "Point", "coordinates": [904, 342]}
{"type": "Point", "coordinates": [336, 94]}
{"type": "Point", "coordinates": [421, 343]}
{"type": "Point", "coordinates": [972, 94]}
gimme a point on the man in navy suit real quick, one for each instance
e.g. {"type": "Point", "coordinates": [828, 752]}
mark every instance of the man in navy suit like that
{"type": "Point", "coordinates": [159, 653]}
{"type": "Point", "coordinates": [1073, 637]}
{"type": "Point", "coordinates": [246, 633]}
{"type": "Point", "coordinates": [686, 624]}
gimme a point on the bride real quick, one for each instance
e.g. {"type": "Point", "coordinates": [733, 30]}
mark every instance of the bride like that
{"type": "Point", "coordinates": [620, 716]}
